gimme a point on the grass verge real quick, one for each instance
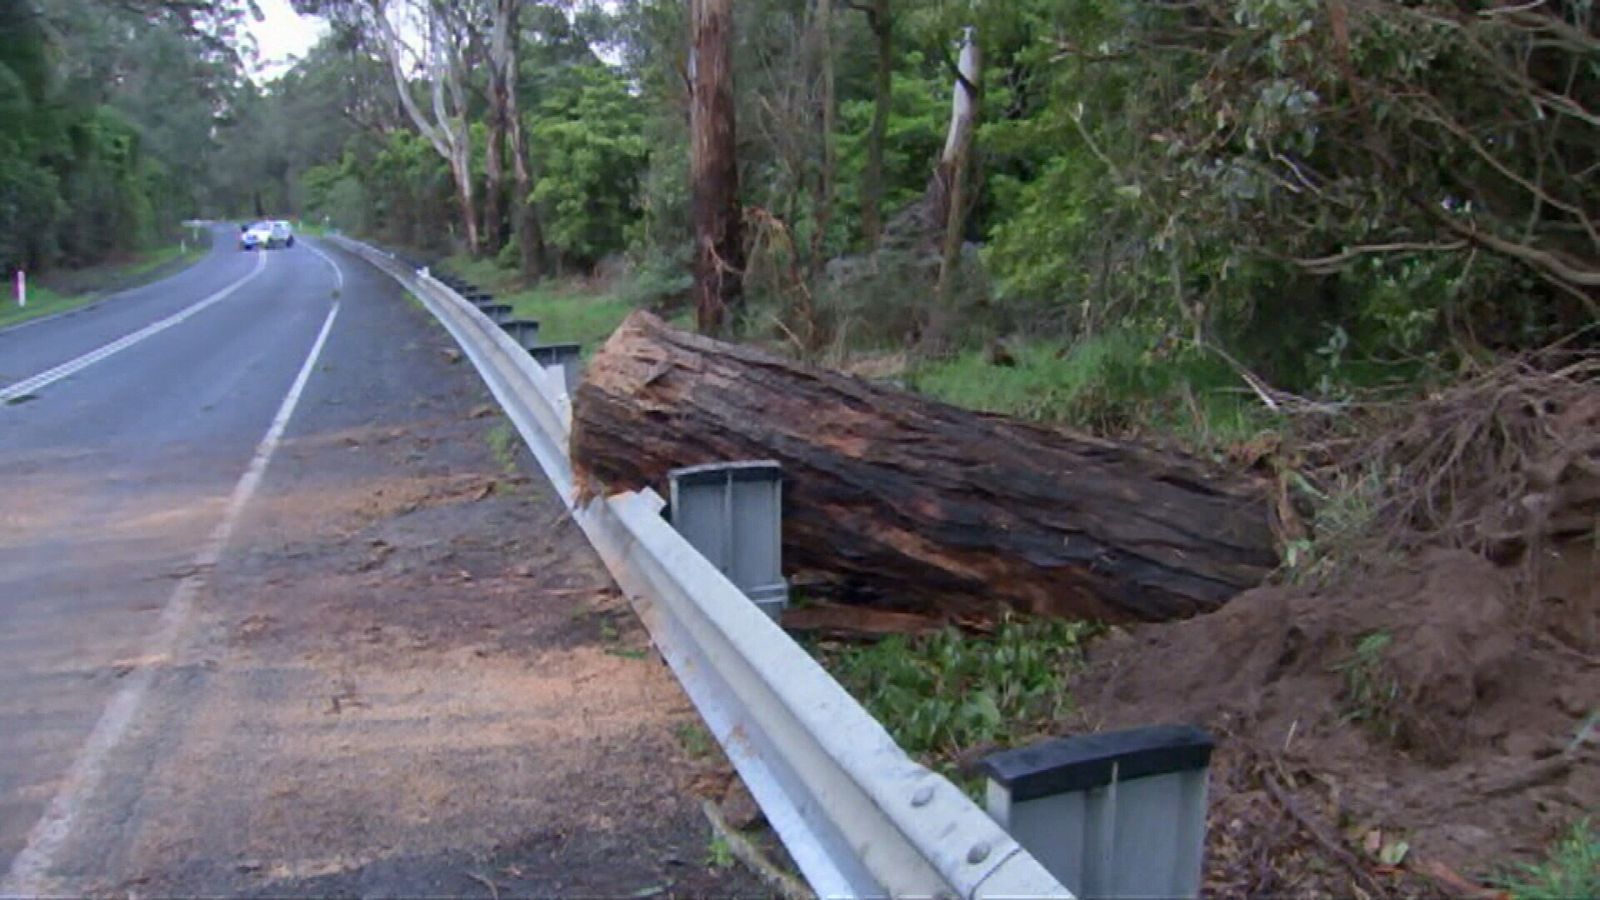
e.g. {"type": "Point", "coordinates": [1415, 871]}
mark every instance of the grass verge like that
{"type": "Point", "coordinates": [567, 311]}
{"type": "Point", "coordinates": [62, 291]}
{"type": "Point", "coordinates": [1115, 383]}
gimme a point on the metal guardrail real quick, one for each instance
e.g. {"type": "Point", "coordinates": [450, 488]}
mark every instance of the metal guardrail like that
{"type": "Point", "coordinates": [858, 816]}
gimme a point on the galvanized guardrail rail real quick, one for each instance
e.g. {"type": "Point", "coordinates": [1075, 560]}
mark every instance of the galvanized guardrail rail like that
{"type": "Point", "coordinates": [858, 816]}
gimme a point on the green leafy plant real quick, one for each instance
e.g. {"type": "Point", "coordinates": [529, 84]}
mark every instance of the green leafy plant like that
{"type": "Point", "coordinates": [694, 739]}
{"type": "Point", "coordinates": [940, 693]}
{"type": "Point", "coordinates": [1571, 868]}
{"type": "Point", "coordinates": [1370, 690]}
{"type": "Point", "coordinates": [502, 445]}
{"type": "Point", "coordinates": [719, 855]}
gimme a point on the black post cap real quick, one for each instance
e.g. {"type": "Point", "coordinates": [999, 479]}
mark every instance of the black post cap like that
{"type": "Point", "coordinates": [1085, 762]}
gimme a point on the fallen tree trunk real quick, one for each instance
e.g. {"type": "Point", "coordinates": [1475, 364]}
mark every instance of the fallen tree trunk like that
{"type": "Point", "coordinates": [918, 505]}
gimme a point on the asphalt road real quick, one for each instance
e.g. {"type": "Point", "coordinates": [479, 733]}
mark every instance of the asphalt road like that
{"type": "Point", "coordinates": [280, 613]}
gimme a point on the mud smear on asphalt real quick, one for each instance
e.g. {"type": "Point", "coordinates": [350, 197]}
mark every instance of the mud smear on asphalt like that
{"type": "Point", "coordinates": [1436, 712]}
{"type": "Point", "coordinates": [422, 681]}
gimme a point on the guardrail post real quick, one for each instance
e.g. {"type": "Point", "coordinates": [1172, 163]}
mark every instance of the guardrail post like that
{"type": "Point", "coordinates": [498, 313]}
{"type": "Point", "coordinates": [733, 514]}
{"type": "Point", "coordinates": [524, 331]}
{"type": "Point", "coordinates": [1118, 814]}
{"type": "Point", "coordinates": [566, 357]}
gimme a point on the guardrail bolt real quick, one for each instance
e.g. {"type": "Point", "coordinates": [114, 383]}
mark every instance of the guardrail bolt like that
{"type": "Point", "coordinates": [978, 853]}
{"type": "Point", "coordinates": [922, 796]}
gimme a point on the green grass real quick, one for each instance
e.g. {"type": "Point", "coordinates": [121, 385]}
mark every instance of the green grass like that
{"type": "Point", "coordinates": [1571, 868]}
{"type": "Point", "coordinates": [566, 313]}
{"type": "Point", "coordinates": [73, 289]}
{"type": "Point", "coordinates": [1370, 690]}
{"type": "Point", "coordinates": [695, 739]}
{"type": "Point", "coordinates": [503, 443]}
{"type": "Point", "coordinates": [942, 693]}
{"type": "Point", "coordinates": [1115, 383]}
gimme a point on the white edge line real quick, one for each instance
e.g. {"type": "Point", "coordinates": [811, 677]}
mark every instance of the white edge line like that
{"type": "Point", "coordinates": [27, 875]}
{"type": "Point", "coordinates": [338, 273]}
{"type": "Point", "coordinates": [78, 364]}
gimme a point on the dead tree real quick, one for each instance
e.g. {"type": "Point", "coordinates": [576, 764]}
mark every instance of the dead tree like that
{"type": "Point", "coordinates": [916, 505]}
{"type": "Point", "coordinates": [714, 167]}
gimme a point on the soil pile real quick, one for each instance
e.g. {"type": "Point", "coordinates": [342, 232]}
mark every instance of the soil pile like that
{"type": "Point", "coordinates": [1408, 733]}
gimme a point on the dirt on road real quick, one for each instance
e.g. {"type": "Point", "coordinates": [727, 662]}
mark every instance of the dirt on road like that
{"type": "Point", "coordinates": [410, 675]}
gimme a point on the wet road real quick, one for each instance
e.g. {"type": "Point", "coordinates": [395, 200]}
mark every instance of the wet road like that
{"type": "Point", "coordinates": [279, 615]}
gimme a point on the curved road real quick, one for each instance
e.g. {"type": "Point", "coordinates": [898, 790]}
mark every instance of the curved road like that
{"type": "Point", "coordinates": [281, 614]}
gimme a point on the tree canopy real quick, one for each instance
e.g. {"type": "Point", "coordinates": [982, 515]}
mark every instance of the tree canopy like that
{"type": "Point", "coordinates": [1307, 187]}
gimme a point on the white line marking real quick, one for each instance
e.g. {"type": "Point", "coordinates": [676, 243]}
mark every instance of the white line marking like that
{"type": "Point", "coordinates": [74, 366]}
{"type": "Point", "coordinates": [27, 875]}
{"type": "Point", "coordinates": [338, 273]}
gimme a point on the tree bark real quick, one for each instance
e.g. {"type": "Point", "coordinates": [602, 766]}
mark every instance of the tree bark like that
{"type": "Point", "coordinates": [883, 94]}
{"type": "Point", "coordinates": [446, 130]}
{"type": "Point", "coordinates": [823, 202]}
{"type": "Point", "coordinates": [952, 174]}
{"type": "Point", "coordinates": [916, 505]}
{"type": "Point", "coordinates": [530, 233]}
{"type": "Point", "coordinates": [494, 166]}
{"type": "Point", "coordinates": [714, 168]}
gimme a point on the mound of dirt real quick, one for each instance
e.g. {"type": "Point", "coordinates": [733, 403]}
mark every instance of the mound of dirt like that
{"type": "Point", "coordinates": [1442, 709]}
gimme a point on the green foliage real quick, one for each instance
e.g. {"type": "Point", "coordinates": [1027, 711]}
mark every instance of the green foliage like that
{"type": "Point", "coordinates": [1370, 690]}
{"type": "Point", "coordinates": [719, 855]}
{"type": "Point", "coordinates": [589, 131]}
{"type": "Point", "coordinates": [695, 739]}
{"type": "Point", "coordinates": [70, 290]}
{"type": "Point", "coordinates": [566, 313]}
{"type": "Point", "coordinates": [947, 691]}
{"type": "Point", "coordinates": [503, 446]}
{"type": "Point", "coordinates": [1571, 868]}
{"type": "Point", "coordinates": [1117, 382]}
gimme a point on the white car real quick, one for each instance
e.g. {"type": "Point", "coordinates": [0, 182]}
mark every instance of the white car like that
{"type": "Point", "coordinates": [265, 235]}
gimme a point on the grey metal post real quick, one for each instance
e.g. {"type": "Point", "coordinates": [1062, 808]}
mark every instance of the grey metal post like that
{"type": "Point", "coordinates": [1117, 814]}
{"type": "Point", "coordinates": [497, 312]}
{"type": "Point", "coordinates": [567, 357]}
{"type": "Point", "coordinates": [524, 331]}
{"type": "Point", "coordinates": [733, 514]}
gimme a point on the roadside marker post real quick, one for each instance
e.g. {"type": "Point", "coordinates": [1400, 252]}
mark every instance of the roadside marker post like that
{"type": "Point", "coordinates": [22, 288]}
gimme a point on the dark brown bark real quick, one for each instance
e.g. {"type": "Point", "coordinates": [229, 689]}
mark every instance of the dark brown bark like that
{"type": "Point", "coordinates": [919, 505]}
{"type": "Point", "coordinates": [823, 200]}
{"type": "Point", "coordinates": [883, 91]}
{"type": "Point", "coordinates": [530, 233]}
{"type": "Point", "coordinates": [714, 170]}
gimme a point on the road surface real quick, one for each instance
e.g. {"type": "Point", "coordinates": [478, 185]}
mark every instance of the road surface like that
{"type": "Point", "coordinates": [284, 612]}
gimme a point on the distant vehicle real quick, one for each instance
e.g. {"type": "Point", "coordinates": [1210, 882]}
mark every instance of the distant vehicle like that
{"type": "Point", "coordinates": [265, 235]}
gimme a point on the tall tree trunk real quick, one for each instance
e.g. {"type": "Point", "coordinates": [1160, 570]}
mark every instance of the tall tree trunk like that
{"type": "Point", "coordinates": [714, 168]}
{"type": "Point", "coordinates": [883, 87]}
{"type": "Point", "coordinates": [466, 200]}
{"type": "Point", "coordinates": [445, 126]}
{"type": "Point", "coordinates": [953, 166]}
{"type": "Point", "coordinates": [823, 204]}
{"type": "Point", "coordinates": [494, 167]}
{"type": "Point", "coordinates": [530, 233]}
{"type": "Point", "coordinates": [503, 37]}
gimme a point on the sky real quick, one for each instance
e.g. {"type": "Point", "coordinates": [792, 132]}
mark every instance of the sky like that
{"type": "Point", "coordinates": [282, 34]}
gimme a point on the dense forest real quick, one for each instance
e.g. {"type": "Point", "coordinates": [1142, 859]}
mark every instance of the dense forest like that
{"type": "Point", "coordinates": [1291, 195]}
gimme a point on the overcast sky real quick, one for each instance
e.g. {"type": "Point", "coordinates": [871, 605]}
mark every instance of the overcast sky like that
{"type": "Point", "coordinates": [280, 35]}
